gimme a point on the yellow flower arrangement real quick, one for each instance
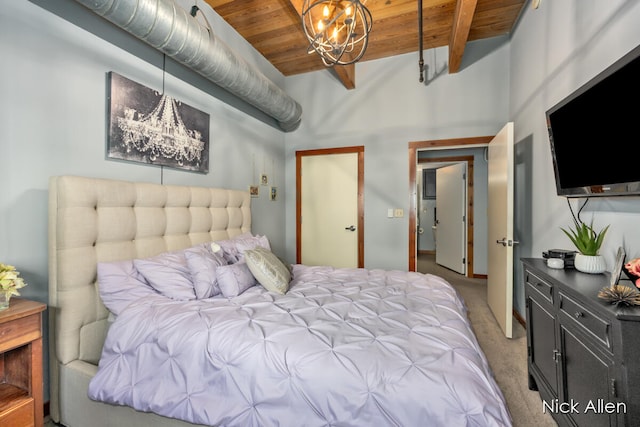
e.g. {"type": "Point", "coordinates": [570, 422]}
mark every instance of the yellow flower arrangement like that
{"type": "Point", "coordinates": [10, 281]}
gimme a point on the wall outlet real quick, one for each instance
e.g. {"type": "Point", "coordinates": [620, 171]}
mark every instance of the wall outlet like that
{"type": "Point", "coordinates": [398, 213]}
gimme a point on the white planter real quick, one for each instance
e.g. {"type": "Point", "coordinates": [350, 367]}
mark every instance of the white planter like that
{"type": "Point", "coordinates": [592, 264]}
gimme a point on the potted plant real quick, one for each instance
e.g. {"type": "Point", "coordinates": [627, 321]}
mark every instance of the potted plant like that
{"type": "Point", "coordinates": [588, 243]}
{"type": "Point", "coordinates": [9, 284]}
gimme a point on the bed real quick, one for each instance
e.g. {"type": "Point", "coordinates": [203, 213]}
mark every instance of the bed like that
{"type": "Point", "coordinates": [351, 347]}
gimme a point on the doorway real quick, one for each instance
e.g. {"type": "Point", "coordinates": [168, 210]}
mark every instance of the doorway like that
{"type": "Point", "coordinates": [446, 183]}
{"type": "Point", "coordinates": [414, 148]}
{"type": "Point", "coordinates": [330, 207]}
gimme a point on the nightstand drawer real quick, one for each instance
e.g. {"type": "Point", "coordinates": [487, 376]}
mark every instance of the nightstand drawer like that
{"type": "Point", "coordinates": [18, 415]}
{"type": "Point", "coordinates": [586, 319]}
{"type": "Point", "coordinates": [15, 333]}
{"type": "Point", "coordinates": [541, 287]}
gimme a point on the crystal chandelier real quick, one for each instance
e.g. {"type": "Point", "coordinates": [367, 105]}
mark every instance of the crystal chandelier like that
{"type": "Point", "coordinates": [338, 30]}
{"type": "Point", "coordinates": [161, 133]}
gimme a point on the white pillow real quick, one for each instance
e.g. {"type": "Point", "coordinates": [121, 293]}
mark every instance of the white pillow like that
{"type": "Point", "coordinates": [168, 273]}
{"type": "Point", "coordinates": [202, 265]}
{"type": "Point", "coordinates": [234, 279]}
{"type": "Point", "coordinates": [268, 270]}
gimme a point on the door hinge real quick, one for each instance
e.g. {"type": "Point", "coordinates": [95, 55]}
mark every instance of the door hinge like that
{"type": "Point", "coordinates": [464, 218]}
{"type": "Point", "coordinates": [464, 260]}
{"type": "Point", "coordinates": [614, 391]}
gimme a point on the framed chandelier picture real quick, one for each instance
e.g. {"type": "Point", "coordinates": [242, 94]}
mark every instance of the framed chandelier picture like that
{"type": "Point", "coordinates": [149, 127]}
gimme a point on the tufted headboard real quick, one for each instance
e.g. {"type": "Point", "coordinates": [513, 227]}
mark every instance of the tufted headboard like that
{"type": "Point", "coordinates": [100, 220]}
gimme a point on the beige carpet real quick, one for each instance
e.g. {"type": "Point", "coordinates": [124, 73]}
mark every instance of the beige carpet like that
{"type": "Point", "coordinates": [507, 357]}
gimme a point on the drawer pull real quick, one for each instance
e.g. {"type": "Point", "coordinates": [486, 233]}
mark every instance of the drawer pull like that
{"type": "Point", "coordinates": [579, 314]}
{"type": "Point", "coordinates": [556, 356]}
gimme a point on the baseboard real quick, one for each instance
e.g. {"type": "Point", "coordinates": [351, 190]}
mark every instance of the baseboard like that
{"type": "Point", "coordinates": [427, 252]}
{"type": "Point", "coordinates": [519, 318]}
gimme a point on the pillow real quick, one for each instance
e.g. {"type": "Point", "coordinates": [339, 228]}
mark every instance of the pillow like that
{"type": "Point", "coordinates": [227, 248]}
{"type": "Point", "coordinates": [168, 273]}
{"type": "Point", "coordinates": [203, 264]}
{"type": "Point", "coordinates": [233, 249]}
{"type": "Point", "coordinates": [251, 242]}
{"type": "Point", "coordinates": [268, 270]}
{"type": "Point", "coordinates": [120, 284]}
{"type": "Point", "coordinates": [234, 279]}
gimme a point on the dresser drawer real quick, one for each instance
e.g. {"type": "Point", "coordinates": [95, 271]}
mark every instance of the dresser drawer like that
{"type": "Point", "coordinates": [541, 287]}
{"type": "Point", "coordinates": [587, 321]}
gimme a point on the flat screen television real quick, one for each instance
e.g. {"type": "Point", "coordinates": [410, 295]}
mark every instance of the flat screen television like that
{"type": "Point", "coordinates": [595, 134]}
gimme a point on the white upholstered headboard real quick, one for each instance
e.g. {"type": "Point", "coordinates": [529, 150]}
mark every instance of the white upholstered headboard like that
{"type": "Point", "coordinates": [100, 220]}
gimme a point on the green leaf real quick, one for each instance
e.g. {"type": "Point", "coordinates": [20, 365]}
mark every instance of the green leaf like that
{"type": "Point", "coordinates": [585, 238]}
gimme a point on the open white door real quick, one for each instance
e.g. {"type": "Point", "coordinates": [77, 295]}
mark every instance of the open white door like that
{"type": "Point", "coordinates": [500, 233]}
{"type": "Point", "coordinates": [451, 236]}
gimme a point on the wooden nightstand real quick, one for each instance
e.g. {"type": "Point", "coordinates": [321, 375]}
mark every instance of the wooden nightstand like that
{"type": "Point", "coordinates": [21, 364]}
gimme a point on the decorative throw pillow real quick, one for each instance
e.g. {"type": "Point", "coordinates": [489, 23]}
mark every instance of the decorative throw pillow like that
{"type": "Point", "coordinates": [120, 284]}
{"type": "Point", "coordinates": [227, 248]}
{"type": "Point", "coordinates": [168, 273]}
{"type": "Point", "coordinates": [234, 279]}
{"type": "Point", "coordinates": [203, 264]}
{"type": "Point", "coordinates": [233, 249]}
{"type": "Point", "coordinates": [268, 270]}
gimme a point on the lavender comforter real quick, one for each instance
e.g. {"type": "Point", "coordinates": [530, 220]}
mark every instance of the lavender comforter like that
{"type": "Point", "coordinates": [349, 347]}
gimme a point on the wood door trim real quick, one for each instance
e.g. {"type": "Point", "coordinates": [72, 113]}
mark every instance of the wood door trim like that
{"type": "Point", "coordinates": [468, 200]}
{"type": "Point", "coordinates": [360, 227]}
{"type": "Point", "coordinates": [414, 146]}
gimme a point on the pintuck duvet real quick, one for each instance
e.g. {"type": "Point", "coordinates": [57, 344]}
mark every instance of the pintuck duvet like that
{"type": "Point", "coordinates": [347, 347]}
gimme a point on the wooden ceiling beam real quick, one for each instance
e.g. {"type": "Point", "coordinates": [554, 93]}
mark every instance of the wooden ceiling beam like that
{"type": "Point", "coordinates": [465, 9]}
{"type": "Point", "coordinates": [345, 73]}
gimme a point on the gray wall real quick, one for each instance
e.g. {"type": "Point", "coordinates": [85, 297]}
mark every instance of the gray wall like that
{"type": "Point", "coordinates": [388, 109]}
{"type": "Point", "coordinates": [554, 50]}
{"type": "Point", "coordinates": [52, 122]}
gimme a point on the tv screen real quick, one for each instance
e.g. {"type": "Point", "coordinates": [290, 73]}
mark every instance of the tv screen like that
{"type": "Point", "coordinates": [595, 134]}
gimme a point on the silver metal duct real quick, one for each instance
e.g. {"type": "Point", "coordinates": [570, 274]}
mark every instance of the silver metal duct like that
{"type": "Point", "coordinates": [167, 27]}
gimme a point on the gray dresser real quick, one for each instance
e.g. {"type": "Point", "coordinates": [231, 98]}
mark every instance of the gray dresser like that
{"type": "Point", "coordinates": [583, 353]}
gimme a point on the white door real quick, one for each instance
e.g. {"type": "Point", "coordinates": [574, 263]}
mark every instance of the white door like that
{"type": "Point", "coordinates": [451, 236]}
{"type": "Point", "coordinates": [500, 233]}
{"type": "Point", "coordinates": [329, 210]}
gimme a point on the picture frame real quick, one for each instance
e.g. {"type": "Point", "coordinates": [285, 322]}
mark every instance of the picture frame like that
{"type": "Point", "coordinates": [146, 126]}
{"type": "Point", "coordinates": [617, 267]}
{"type": "Point", "coordinates": [273, 195]}
{"type": "Point", "coordinates": [264, 179]}
{"type": "Point", "coordinates": [254, 191]}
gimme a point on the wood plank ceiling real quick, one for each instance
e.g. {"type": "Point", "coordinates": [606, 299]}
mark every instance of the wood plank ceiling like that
{"type": "Point", "coordinates": [274, 28]}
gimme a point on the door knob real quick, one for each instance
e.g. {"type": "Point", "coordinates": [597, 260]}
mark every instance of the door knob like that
{"type": "Point", "coordinates": [507, 242]}
{"type": "Point", "coordinates": [351, 228]}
